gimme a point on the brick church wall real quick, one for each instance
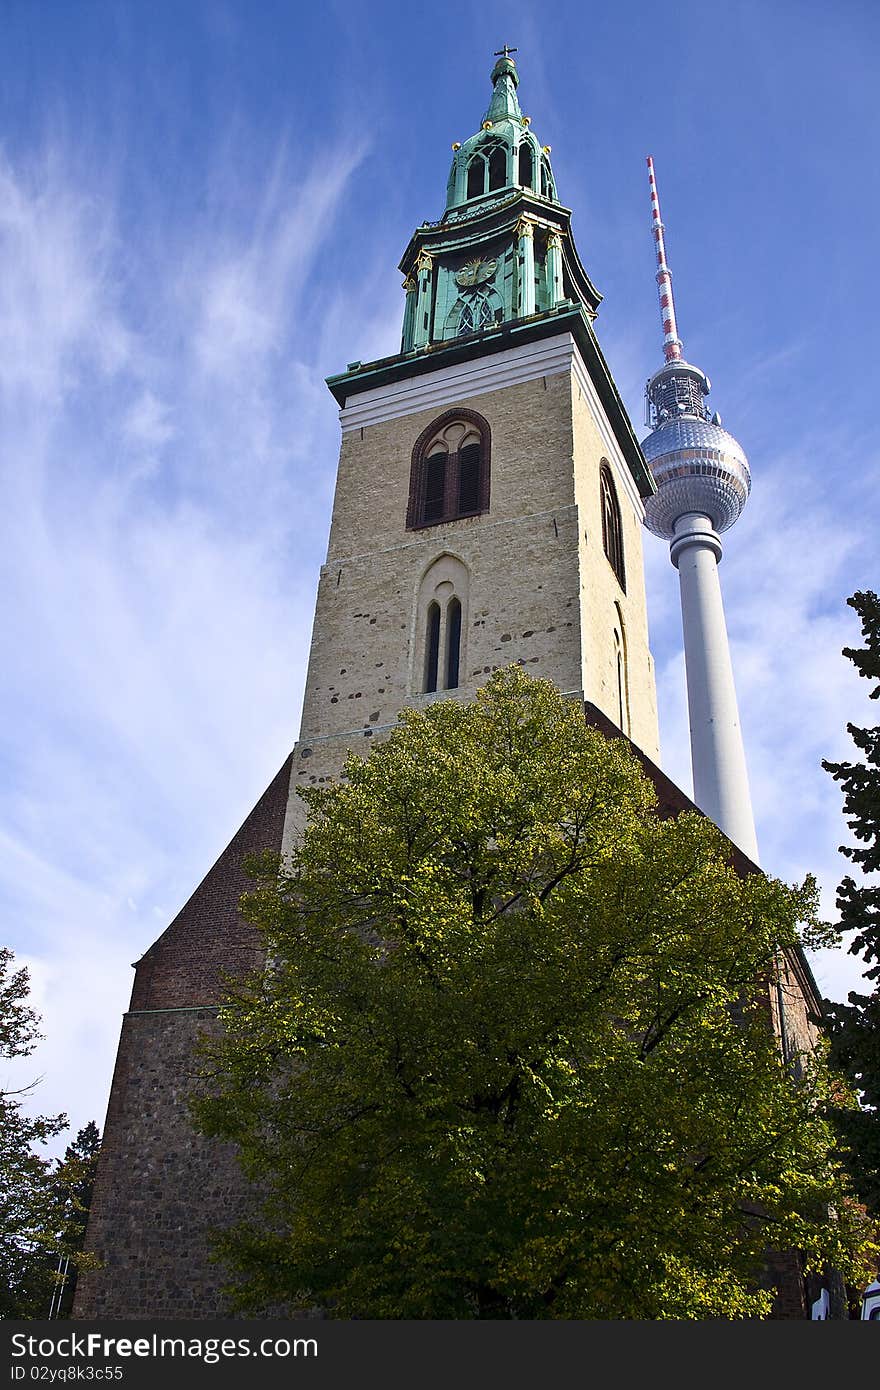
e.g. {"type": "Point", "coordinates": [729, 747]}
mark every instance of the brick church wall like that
{"type": "Point", "coordinates": [161, 1187]}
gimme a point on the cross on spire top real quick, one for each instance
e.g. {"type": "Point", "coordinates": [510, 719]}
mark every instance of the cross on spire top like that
{"type": "Point", "coordinates": [504, 52]}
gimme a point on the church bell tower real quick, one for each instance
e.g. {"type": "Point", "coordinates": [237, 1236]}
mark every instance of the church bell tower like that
{"type": "Point", "coordinates": [488, 510]}
{"type": "Point", "coordinates": [490, 491]}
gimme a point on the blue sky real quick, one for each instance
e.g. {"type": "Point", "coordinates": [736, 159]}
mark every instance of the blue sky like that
{"type": "Point", "coordinates": [202, 207]}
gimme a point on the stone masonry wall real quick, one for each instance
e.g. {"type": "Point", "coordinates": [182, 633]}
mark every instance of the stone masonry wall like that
{"type": "Point", "coordinates": [604, 603]}
{"type": "Point", "coordinates": [534, 589]}
{"type": "Point", "coordinates": [161, 1187]}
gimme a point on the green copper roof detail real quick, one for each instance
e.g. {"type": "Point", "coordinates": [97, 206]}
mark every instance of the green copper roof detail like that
{"type": "Point", "coordinates": [502, 253]}
{"type": "Point", "coordinates": [503, 153]}
{"type": "Point", "coordinates": [504, 102]}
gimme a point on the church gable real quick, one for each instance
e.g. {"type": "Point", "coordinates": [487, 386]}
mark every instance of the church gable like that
{"type": "Point", "coordinates": [208, 938]}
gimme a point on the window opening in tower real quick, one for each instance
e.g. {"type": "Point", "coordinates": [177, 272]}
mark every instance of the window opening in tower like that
{"type": "Point", "coordinates": [612, 527]}
{"type": "Point", "coordinates": [476, 181]}
{"type": "Point", "coordinates": [453, 643]}
{"type": "Point", "coordinates": [526, 167]}
{"type": "Point", "coordinates": [497, 167]}
{"type": "Point", "coordinates": [432, 647]}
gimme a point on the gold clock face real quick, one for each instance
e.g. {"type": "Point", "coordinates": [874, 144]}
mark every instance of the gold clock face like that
{"type": "Point", "coordinates": [475, 272]}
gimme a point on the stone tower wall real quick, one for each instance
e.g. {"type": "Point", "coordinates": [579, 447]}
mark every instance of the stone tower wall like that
{"type": "Point", "coordinates": [604, 604]}
{"type": "Point", "coordinates": [539, 587]}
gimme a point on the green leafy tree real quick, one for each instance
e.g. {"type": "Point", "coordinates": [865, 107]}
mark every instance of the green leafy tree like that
{"type": "Point", "coordinates": [26, 1200]}
{"type": "Point", "coordinates": [855, 1026]}
{"type": "Point", "coordinates": [43, 1204]}
{"type": "Point", "coordinates": [72, 1186]}
{"type": "Point", "coordinates": [511, 1056]}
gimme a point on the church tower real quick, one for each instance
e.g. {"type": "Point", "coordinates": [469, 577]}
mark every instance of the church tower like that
{"type": "Point", "coordinates": [489, 499]}
{"type": "Point", "coordinates": [488, 510]}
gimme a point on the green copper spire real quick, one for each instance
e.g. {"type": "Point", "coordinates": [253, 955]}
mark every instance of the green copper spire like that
{"type": "Point", "coordinates": [503, 153]}
{"type": "Point", "coordinates": [505, 80]}
{"type": "Point", "coordinates": [498, 270]}
{"type": "Point", "coordinates": [502, 253]}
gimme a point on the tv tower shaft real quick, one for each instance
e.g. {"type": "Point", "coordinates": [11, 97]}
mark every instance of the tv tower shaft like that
{"type": "Point", "coordinates": [703, 482]}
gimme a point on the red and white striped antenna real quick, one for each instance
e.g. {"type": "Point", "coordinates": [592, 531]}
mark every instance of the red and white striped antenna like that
{"type": "Point", "coordinates": [672, 344]}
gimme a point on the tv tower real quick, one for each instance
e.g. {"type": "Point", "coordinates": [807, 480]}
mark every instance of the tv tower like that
{"type": "Point", "coordinates": [703, 483]}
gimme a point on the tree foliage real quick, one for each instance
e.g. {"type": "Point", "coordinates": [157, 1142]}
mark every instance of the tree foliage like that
{"type": "Point", "coordinates": [855, 1026]}
{"type": "Point", "coordinates": [72, 1184]}
{"type": "Point", "coordinates": [42, 1204]}
{"type": "Point", "coordinates": [511, 1057]}
{"type": "Point", "coordinates": [24, 1173]}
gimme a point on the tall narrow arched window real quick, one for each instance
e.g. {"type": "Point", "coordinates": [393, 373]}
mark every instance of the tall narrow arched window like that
{"type": "Point", "coordinates": [440, 654]}
{"type": "Point", "coordinates": [526, 166]}
{"type": "Point", "coordinates": [497, 167]}
{"type": "Point", "coordinates": [476, 179]}
{"type": "Point", "coordinates": [449, 476]}
{"type": "Point", "coordinates": [612, 528]}
{"type": "Point", "coordinates": [546, 180]}
{"type": "Point", "coordinates": [432, 646]}
{"type": "Point", "coordinates": [621, 701]}
{"type": "Point", "coordinates": [621, 673]}
{"type": "Point", "coordinates": [453, 643]}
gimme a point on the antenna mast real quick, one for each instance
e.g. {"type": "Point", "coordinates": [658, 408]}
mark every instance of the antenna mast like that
{"type": "Point", "coordinates": [672, 344]}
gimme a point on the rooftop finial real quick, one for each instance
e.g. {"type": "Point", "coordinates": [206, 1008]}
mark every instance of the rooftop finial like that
{"type": "Point", "coordinates": [505, 80]}
{"type": "Point", "coordinates": [672, 344]}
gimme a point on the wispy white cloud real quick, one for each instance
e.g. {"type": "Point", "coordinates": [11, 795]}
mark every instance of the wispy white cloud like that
{"type": "Point", "coordinates": [56, 307]}
{"type": "Point", "coordinates": [168, 457]}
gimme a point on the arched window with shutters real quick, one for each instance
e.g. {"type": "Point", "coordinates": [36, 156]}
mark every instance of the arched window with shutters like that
{"type": "Point", "coordinates": [612, 527]}
{"type": "Point", "coordinates": [449, 475]}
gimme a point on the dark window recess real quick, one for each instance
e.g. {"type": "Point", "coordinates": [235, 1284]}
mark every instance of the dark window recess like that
{"type": "Point", "coordinates": [612, 528]}
{"type": "Point", "coordinates": [435, 487]}
{"type": "Point", "coordinates": [453, 643]}
{"type": "Point", "coordinates": [476, 183]}
{"type": "Point", "coordinates": [432, 647]}
{"type": "Point", "coordinates": [498, 167]}
{"type": "Point", "coordinates": [526, 167]}
{"type": "Point", "coordinates": [468, 479]}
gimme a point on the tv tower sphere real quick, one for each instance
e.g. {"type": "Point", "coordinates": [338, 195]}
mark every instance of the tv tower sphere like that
{"type": "Point", "coordinates": [696, 465]}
